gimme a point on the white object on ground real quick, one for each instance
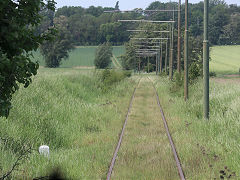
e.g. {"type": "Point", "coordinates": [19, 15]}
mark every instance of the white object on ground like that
{"type": "Point", "coordinates": [44, 150]}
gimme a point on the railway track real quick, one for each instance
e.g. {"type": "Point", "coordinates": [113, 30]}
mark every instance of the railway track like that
{"type": "Point", "coordinates": [178, 164]}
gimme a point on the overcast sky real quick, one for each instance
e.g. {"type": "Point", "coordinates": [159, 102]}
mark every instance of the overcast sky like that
{"type": "Point", "coordinates": [124, 4]}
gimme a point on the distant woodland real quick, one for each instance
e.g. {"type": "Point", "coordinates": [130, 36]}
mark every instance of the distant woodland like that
{"type": "Point", "coordinates": [91, 26]}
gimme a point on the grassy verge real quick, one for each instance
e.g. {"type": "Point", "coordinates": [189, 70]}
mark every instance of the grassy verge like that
{"type": "Point", "coordinates": [207, 149]}
{"type": "Point", "coordinates": [67, 110]}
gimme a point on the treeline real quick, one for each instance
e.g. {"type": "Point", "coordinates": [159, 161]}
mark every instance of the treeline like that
{"type": "Point", "coordinates": [91, 26]}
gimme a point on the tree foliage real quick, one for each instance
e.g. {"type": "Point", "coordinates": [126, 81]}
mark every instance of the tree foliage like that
{"type": "Point", "coordinates": [58, 49]}
{"type": "Point", "coordinates": [103, 56]}
{"type": "Point", "coordinates": [231, 31]}
{"type": "Point", "coordinates": [129, 59]}
{"type": "Point", "coordinates": [18, 37]}
{"type": "Point", "coordinates": [91, 26]}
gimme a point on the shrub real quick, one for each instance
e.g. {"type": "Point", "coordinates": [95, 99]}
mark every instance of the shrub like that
{"type": "Point", "coordinates": [128, 73]}
{"type": "Point", "coordinates": [110, 77]}
{"type": "Point", "coordinates": [103, 56]}
{"type": "Point", "coordinates": [195, 71]}
{"type": "Point", "coordinates": [212, 74]}
{"type": "Point", "coordinates": [177, 83]}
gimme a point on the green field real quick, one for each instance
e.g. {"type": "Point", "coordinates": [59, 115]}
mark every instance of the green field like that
{"type": "Point", "coordinates": [80, 56]}
{"type": "Point", "coordinates": [225, 59]}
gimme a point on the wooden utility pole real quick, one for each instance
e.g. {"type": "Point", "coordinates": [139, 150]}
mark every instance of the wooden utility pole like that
{"type": "Point", "coordinates": [159, 55]}
{"type": "Point", "coordinates": [166, 57]}
{"type": "Point", "coordinates": [169, 58]}
{"type": "Point", "coordinates": [179, 37]}
{"type": "Point", "coordinates": [206, 63]}
{"type": "Point", "coordinates": [161, 62]}
{"type": "Point", "coordinates": [157, 64]}
{"type": "Point", "coordinates": [139, 65]}
{"type": "Point", "coordinates": [171, 50]}
{"type": "Point", "coordinates": [148, 63]}
{"type": "Point", "coordinates": [186, 53]}
{"type": "Point", "coordinates": [171, 55]}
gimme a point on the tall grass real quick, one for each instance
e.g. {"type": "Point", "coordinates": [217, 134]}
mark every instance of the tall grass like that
{"type": "Point", "coordinates": [207, 148]}
{"type": "Point", "coordinates": [67, 110]}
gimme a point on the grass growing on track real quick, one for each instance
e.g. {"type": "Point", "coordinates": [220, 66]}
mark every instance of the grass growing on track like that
{"type": "Point", "coordinates": [145, 152]}
{"type": "Point", "coordinates": [80, 56]}
{"type": "Point", "coordinates": [225, 59]}
{"type": "Point", "coordinates": [65, 109]}
{"type": "Point", "coordinates": [207, 149]}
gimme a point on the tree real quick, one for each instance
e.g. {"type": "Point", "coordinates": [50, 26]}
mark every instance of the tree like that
{"type": "Point", "coordinates": [218, 19]}
{"type": "Point", "coordinates": [94, 11]}
{"type": "Point", "coordinates": [103, 56]}
{"type": "Point", "coordinates": [58, 49]}
{"type": "Point", "coordinates": [18, 37]}
{"type": "Point", "coordinates": [129, 60]}
{"type": "Point", "coordinates": [232, 30]}
{"type": "Point", "coordinates": [110, 31]}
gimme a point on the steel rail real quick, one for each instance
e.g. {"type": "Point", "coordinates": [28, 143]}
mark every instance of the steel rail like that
{"type": "Point", "coordinates": [178, 163]}
{"type": "Point", "coordinates": [121, 135]}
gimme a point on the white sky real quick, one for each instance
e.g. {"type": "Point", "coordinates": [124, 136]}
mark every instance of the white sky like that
{"type": "Point", "coordinates": [124, 4]}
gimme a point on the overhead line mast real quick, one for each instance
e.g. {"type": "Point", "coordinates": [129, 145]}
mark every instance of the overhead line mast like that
{"type": "Point", "coordinates": [186, 53]}
{"type": "Point", "coordinates": [179, 37]}
{"type": "Point", "coordinates": [206, 62]}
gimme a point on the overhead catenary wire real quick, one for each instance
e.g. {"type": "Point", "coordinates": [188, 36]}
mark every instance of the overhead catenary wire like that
{"type": "Point", "coordinates": [149, 38]}
{"type": "Point", "coordinates": [147, 46]}
{"type": "Point", "coordinates": [146, 21]}
{"type": "Point", "coordinates": [139, 49]}
{"type": "Point", "coordinates": [135, 40]}
{"type": "Point", "coordinates": [147, 42]}
{"type": "Point", "coordinates": [141, 10]}
{"type": "Point", "coordinates": [142, 30]}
